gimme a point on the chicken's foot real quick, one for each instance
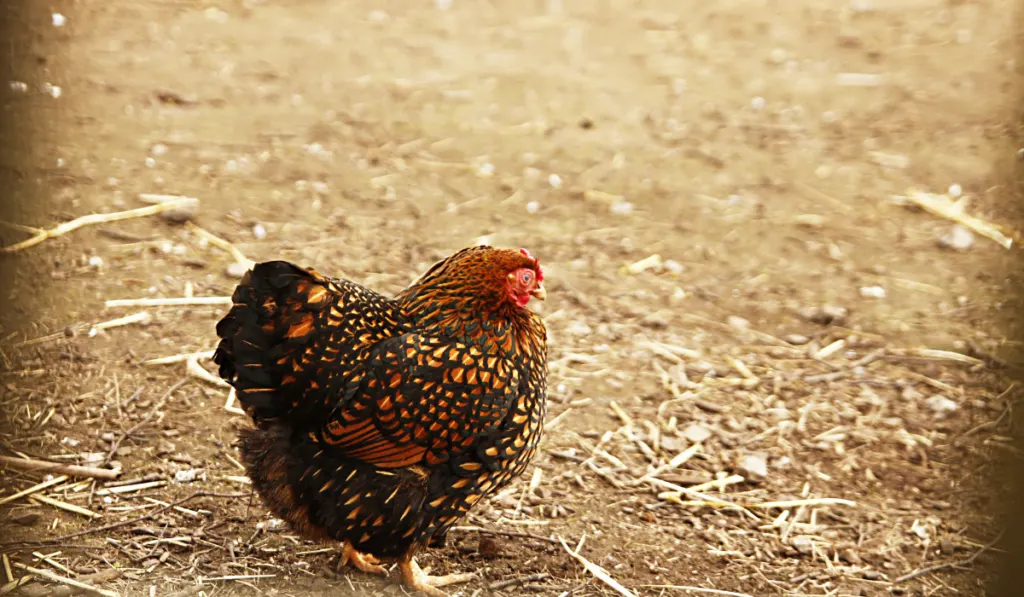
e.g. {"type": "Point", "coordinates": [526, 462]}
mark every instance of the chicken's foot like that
{"type": "Point", "coordinates": [415, 578]}
{"type": "Point", "coordinates": [360, 561]}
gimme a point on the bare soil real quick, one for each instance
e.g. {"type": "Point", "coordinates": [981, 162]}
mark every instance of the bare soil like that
{"type": "Point", "coordinates": [368, 139]}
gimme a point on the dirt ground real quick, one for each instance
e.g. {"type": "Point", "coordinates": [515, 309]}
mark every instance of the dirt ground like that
{"type": "Point", "coordinates": [711, 199]}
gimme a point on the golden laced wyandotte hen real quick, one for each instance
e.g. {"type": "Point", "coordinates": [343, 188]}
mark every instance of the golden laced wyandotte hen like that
{"type": "Point", "coordinates": [379, 421]}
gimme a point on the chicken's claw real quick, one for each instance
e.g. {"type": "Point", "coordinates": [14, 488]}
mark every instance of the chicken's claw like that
{"type": "Point", "coordinates": [415, 578]}
{"type": "Point", "coordinates": [360, 561]}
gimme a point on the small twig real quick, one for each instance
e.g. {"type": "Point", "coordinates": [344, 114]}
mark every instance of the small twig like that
{"type": "Point", "coordinates": [178, 358]}
{"type": "Point", "coordinates": [598, 571]}
{"type": "Point", "coordinates": [160, 404]}
{"type": "Point", "coordinates": [170, 302]}
{"type": "Point", "coordinates": [502, 584]}
{"type": "Point", "coordinates": [68, 590]}
{"type": "Point", "coordinates": [519, 534]}
{"type": "Point", "coordinates": [58, 468]}
{"type": "Point", "coordinates": [67, 581]}
{"type": "Point", "coordinates": [220, 243]}
{"type": "Point", "coordinates": [965, 562]}
{"type": "Point", "coordinates": [698, 590]}
{"type": "Point", "coordinates": [196, 370]}
{"type": "Point", "coordinates": [117, 525]}
{"type": "Point", "coordinates": [142, 317]}
{"type": "Point", "coordinates": [39, 235]}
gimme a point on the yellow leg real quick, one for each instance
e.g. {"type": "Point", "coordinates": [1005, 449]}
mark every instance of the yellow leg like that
{"type": "Point", "coordinates": [414, 578]}
{"type": "Point", "coordinates": [360, 561]}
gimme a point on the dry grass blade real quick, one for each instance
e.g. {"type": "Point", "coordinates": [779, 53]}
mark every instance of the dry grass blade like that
{"type": "Point", "coordinates": [597, 571]}
{"type": "Point", "coordinates": [39, 235]}
{"type": "Point", "coordinates": [944, 206]}
{"type": "Point", "coordinates": [34, 489]}
{"type": "Point", "coordinates": [64, 506]}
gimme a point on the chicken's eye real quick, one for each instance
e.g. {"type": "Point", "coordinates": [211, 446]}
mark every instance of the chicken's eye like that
{"type": "Point", "coordinates": [526, 277]}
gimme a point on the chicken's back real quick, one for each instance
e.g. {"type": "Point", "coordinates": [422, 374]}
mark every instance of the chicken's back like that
{"type": "Point", "coordinates": [292, 339]}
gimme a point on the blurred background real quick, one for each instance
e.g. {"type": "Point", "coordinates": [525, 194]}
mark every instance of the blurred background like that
{"type": "Point", "coordinates": [727, 201]}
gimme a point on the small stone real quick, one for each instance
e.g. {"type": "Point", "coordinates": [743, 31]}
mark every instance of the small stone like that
{"type": "Point", "coordinates": [941, 405]}
{"type": "Point", "coordinates": [696, 433]}
{"type": "Point", "coordinates": [753, 465]}
{"type": "Point", "coordinates": [184, 213]}
{"type": "Point", "coordinates": [811, 220]}
{"type": "Point", "coordinates": [957, 238]}
{"type": "Point", "coordinates": [488, 548]}
{"type": "Point", "coordinates": [579, 328]}
{"type": "Point", "coordinates": [555, 181]}
{"type": "Point", "coordinates": [164, 447]}
{"type": "Point", "coordinates": [797, 339]}
{"type": "Point", "coordinates": [875, 292]}
{"type": "Point", "coordinates": [259, 231]}
{"type": "Point", "coordinates": [738, 322]}
{"type": "Point", "coordinates": [802, 544]}
{"type": "Point", "coordinates": [186, 476]}
{"type": "Point", "coordinates": [946, 546]}
{"type": "Point", "coordinates": [871, 575]}
{"type": "Point", "coordinates": [825, 315]}
{"type": "Point", "coordinates": [59, 20]}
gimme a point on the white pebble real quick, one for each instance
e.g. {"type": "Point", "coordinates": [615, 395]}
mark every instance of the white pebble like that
{"type": "Point", "coordinates": [186, 476]}
{"type": "Point", "coordinates": [532, 207]}
{"type": "Point", "coordinates": [778, 56]}
{"type": "Point", "coordinates": [96, 261]}
{"type": "Point", "coordinates": [216, 15]}
{"type": "Point", "coordinates": [301, 185]}
{"type": "Point", "coordinates": [158, 150]}
{"type": "Point", "coordinates": [150, 162]}
{"type": "Point", "coordinates": [555, 181]}
{"type": "Point", "coordinates": [259, 231]}
{"type": "Point", "coordinates": [621, 208]}
{"type": "Point", "coordinates": [320, 188]}
{"type": "Point", "coordinates": [958, 238]}
{"type": "Point", "coordinates": [53, 90]}
{"type": "Point", "coordinates": [941, 405]}
{"type": "Point", "coordinates": [872, 292]}
{"type": "Point", "coordinates": [18, 86]}
{"type": "Point", "coordinates": [673, 267]}
{"type": "Point", "coordinates": [485, 170]}
{"type": "Point", "coordinates": [59, 19]}
{"type": "Point", "coordinates": [757, 103]}
{"type": "Point", "coordinates": [955, 190]}
{"type": "Point", "coordinates": [378, 16]}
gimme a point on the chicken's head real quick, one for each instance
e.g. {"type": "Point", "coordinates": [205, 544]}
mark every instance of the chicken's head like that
{"type": "Point", "coordinates": [526, 280]}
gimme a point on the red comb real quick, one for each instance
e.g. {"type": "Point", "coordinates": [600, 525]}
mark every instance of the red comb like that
{"type": "Point", "coordinates": [540, 272]}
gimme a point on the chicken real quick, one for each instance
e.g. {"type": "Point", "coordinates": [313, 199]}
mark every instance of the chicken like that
{"type": "Point", "coordinates": [379, 422]}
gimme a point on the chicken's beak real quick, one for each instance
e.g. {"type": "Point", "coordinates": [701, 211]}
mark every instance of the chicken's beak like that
{"type": "Point", "coordinates": [539, 293]}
